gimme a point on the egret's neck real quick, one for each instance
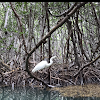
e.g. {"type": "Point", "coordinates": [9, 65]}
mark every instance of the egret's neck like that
{"type": "Point", "coordinates": [49, 64]}
{"type": "Point", "coordinates": [51, 61]}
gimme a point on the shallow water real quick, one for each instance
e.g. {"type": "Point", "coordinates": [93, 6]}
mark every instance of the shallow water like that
{"type": "Point", "coordinates": [28, 93]}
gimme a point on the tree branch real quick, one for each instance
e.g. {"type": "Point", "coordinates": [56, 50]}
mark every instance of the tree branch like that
{"type": "Point", "coordinates": [96, 18]}
{"type": "Point", "coordinates": [87, 65]}
{"type": "Point", "coordinates": [64, 13]}
{"type": "Point", "coordinates": [17, 16]}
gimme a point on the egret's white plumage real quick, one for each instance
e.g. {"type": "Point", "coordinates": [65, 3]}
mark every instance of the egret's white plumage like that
{"type": "Point", "coordinates": [43, 64]}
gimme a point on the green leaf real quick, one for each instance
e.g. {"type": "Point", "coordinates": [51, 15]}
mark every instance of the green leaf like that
{"type": "Point", "coordinates": [20, 33]}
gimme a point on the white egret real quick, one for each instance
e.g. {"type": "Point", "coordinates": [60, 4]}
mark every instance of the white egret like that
{"type": "Point", "coordinates": [43, 64]}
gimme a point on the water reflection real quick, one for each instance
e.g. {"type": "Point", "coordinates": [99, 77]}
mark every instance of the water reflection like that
{"type": "Point", "coordinates": [27, 93]}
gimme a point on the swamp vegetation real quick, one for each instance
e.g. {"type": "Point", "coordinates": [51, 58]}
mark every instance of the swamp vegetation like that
{"type": "Point", "coordinates": [34, 31]}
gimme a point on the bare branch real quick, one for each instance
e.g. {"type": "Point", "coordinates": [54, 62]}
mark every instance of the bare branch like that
{"type": "Point", "coordinates": [6, 18]}
{"type": "Point", "coordinates": [20, 25]}
{"type": "Point", "coordinates": [87, 65]}
{"type": "Point", "coordinates": [64, 13]}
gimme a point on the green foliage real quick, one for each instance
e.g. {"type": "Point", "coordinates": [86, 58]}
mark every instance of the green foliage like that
{"type": "Point", "coordinates": [20, 33]}
{"type": "Point", "coordinates": [10, 46]}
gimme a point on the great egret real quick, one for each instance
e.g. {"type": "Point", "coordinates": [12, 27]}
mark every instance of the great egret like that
{"type": "Point", "coordinates": [43, 64]}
